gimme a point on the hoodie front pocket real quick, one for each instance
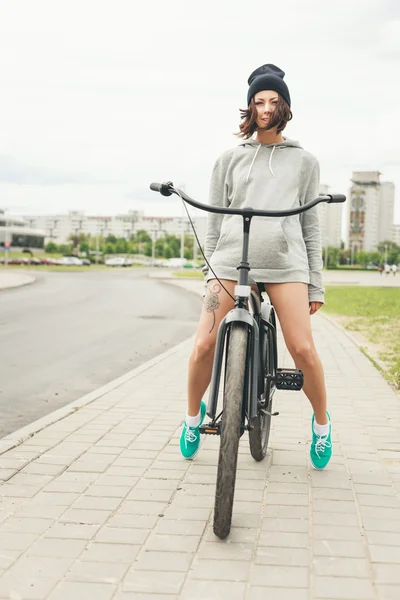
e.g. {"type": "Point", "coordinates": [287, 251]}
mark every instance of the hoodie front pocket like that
{"type": "Point", "coordinates": [268, 247]}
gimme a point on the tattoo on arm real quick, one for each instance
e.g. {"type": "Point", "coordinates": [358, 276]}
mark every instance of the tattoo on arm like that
{"type": "Point", "coordinates": [211, 301]}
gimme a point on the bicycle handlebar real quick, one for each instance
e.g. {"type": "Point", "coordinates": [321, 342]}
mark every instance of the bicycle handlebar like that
{"type": "Point", "coordinates": [167, 189]}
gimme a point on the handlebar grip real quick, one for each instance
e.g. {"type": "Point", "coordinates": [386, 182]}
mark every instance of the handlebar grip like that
{"type": "Point", "coordinates": [337, 198]}
{"type": "Point", "coordinates": [163, 188]}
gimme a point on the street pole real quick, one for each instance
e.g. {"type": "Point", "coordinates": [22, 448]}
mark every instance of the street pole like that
{"type": "Point", "coordinates": [194, 249]}
{"type": "Point", "coordinates": [352, 253]}
{"type": "Point", "coordinates": [5, 240]}
{"type": "Point", "coordinates": [182, 187]}
{"type": "Point", "coordinates": [385, 254]}
{"type": "Point", "coordinates": [153, 248]}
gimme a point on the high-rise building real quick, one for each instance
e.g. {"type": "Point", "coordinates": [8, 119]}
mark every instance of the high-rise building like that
{"type": "Point", "coordinates": [371, 209]}
{"type": "Point", "coordinates": [330, 221]}
{"type": "Point", "coordinates": [396, 234]}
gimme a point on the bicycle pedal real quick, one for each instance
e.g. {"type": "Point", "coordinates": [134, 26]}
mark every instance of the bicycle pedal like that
{"type": "Point", "coordinates": [210, 429]}
{"type": "Point", "coordinates": [289, 379]}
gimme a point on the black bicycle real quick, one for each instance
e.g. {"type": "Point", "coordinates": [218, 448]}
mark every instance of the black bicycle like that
{"type": "Point", "coordinates": [247, 338]}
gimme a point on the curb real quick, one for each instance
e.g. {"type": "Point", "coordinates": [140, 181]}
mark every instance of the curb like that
{"type": "Point", "coordinates": [21, 435]}
{"type": "Point", "coordinates": [28, 281]}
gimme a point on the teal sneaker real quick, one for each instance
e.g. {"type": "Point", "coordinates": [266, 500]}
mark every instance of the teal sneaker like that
{"type": "Point", "coordinates": [190, 436]}
{"type": "Point", "coordinates": [321, 447]}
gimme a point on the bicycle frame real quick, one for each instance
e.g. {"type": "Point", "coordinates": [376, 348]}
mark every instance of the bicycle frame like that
{"type": "Point", "coordinates": [239, 314]}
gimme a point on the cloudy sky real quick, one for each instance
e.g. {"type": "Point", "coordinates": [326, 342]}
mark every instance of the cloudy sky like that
{"type": "Point", "coordinates": [100, 97]}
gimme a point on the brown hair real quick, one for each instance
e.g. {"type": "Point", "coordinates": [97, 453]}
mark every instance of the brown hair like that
{"type": "Point", "coordinates": [279, 118]}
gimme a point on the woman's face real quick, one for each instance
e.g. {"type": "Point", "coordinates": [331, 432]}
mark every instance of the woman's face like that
{"type": "Point", "coordinates": [265, 103]}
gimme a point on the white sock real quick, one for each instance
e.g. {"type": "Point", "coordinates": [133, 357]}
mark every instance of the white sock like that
{"type": "Point", "coordinates": [321, 430]}
{"type": "Point", "coordinates": [193, 421]}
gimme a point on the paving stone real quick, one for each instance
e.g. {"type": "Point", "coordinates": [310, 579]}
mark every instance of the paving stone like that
{"type": "Point", "coordinates": [345, 588]}
{"type": "Point", "coordinates": [104, 552]}
{"type": "Point", "coordinates": [121, 535]}
{"type": "Point", "coordinates": [28, 588]}
{"type": "Point", "coordinates": [221, 570]}
{"type": "Point", "coordinates": [296, 557]}
{"type": "Point", "coordinates": [25, 525]}
{"type": "Point", "coordinates": [97, 571]}
{"type": "Point", "coordinates": [338, 548]}
{"type": "Point", "coordinates": [277, 593]}
{"type": "Point", "coordinates": [212, 590]}
{"type": "Point", "coordinates": [334, 566]}
{"type": "Point", "coordinates": [163, 561]}
{"type": "Point", "coordinates": [153, 582]}
{"type": "Point", "coordinates": [80, 590]}
{"type": "Point", "coordinates": [284, 539]}
{"type": "Point", "coordinates": [279, 576]}
{"type": "Point", "coordinates": [336, 532]}
{"type": "Point", "coordinates": [57, 548]}
{"type": "Point", "coordinates": [172, 543]}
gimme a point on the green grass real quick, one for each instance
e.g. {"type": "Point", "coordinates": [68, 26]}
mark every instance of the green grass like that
{"type": "Point", "coordinates": [195, 274]}
{"type": "Point", "coordinates": [374, 313]}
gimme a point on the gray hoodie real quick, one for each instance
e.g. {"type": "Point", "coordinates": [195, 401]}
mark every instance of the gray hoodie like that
{"type": "Point", "coordinates": [281, 249]}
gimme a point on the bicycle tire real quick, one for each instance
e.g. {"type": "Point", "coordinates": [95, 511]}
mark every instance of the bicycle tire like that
{"type": "Point", "coordinates": [230, 429]}
{"type": "Point", "coordinates": [261, 425]}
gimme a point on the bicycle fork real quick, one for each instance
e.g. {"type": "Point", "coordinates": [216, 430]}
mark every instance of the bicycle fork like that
{"type": "Point", "coordinates": [236, 315]}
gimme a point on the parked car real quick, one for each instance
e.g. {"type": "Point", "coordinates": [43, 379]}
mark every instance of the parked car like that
{"type": "Point", "coordinates": [86, 262]}
{"type": "Point", "coordinates": [49, 261]}
{"type": "Point", "coordinates": [70, 261]}
{"type": "Point", "coordinates": [116, 261]}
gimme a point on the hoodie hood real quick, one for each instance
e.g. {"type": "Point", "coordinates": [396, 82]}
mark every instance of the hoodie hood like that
{"type": "Point", "coordinates": [287, 143]}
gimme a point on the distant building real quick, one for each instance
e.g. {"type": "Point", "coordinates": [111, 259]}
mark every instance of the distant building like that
{"type": "Point", "coordinates": [371, 210]}
{"type": "Point", "coordinates": [330, 221]}
{"type": "Point", "coordinates": [396, 234]}
{"type": "Point", "coordinates": [16, 233]}
{"type": "Point", "coordinates": [59, 228]}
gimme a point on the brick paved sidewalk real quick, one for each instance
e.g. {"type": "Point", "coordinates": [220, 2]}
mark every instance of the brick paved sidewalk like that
{"type": "Point", "coordinates": [99, 505]}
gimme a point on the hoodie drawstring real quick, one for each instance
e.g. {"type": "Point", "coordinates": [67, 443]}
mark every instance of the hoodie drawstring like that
{"type": "Point", "coordinates": [270, 161]}
{"type": "Point", "coordinates": [269, 164]}
{"type": "Point", "coordinates": [252, 163]}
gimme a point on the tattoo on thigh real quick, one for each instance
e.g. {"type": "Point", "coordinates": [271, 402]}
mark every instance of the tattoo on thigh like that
{"type": "Point", "coordinates": [211, 301]}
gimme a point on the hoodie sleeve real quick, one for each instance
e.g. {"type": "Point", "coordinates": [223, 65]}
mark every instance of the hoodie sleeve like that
{"type": "Point", "coordinates": [312, 238]}
{"type": "Point", "coordinates": [218, 196]}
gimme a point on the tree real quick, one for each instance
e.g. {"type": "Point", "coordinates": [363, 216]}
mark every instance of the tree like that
{"type": "Point", "coordinates": [148, 249]}
{"type": "Point", "coordinates": [361, 258]}
{"type": "Point", "coordinates": [344, 257]}
{"type": "Point", "coordinates": [111, 239]}
{"type": "Point", "coordinates": [65, 249]}
{"type": "Point", "coordinates": [84, 247]}
{"type": "Point", "coordinates": [121, 246]}
{"type": "Point", "coordinates": [110, 248]}
{"type": "Point", "coordinates": [51, 248]}
{"type": "Point", "coordinates": [387, 245]}
{"type": "Point", "coordinates": [142, 236]}
{"type": "Point", "coordinates": [159, 249]}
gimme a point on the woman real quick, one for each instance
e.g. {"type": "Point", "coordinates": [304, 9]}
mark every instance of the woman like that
{"type": "Point", "coordinates": [272, 172]}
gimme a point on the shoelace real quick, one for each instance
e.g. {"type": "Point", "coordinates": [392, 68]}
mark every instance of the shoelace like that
{"type": "Point", "coordinates": [190, 435]}
{"type": "Point", "coordinates": [321, 444]}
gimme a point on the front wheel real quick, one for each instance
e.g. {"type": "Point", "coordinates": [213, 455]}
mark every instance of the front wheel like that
{"type": "Point", "coordinates": [261, 425]}
{"type": "Point", "coordinates": [230, 429]}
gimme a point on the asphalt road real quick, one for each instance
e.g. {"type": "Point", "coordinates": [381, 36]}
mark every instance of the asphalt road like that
{"type": "Point", "coordinates": [69, 333]}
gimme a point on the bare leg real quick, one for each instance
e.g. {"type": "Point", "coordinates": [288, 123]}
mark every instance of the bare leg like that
{"type": "Point", "coordinates": [290, 301]}
{"type": "Point", "coordinates": [217, 303]}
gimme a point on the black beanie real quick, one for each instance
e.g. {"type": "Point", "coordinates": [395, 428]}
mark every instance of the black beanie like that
{"type": "Point", "coordinates": [267, 77]}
